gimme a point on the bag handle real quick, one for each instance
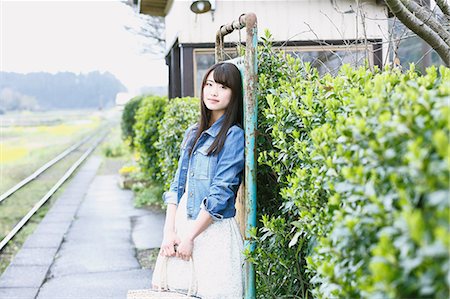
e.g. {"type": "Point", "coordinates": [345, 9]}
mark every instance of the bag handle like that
{"type": "Point", "coordinates": [163, 275]}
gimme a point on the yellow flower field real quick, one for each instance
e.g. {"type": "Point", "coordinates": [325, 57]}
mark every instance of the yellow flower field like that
{"type": "Point", "coordinates": [9, 153]}
{"type": "Point", "coordinates": [24, 148]}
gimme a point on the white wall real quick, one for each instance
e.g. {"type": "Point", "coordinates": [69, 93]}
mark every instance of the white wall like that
{"type": "Point", "coordinates": [285, 19]}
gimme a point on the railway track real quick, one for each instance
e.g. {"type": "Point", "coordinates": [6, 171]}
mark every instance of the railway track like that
{"type": "Point", "coordinates": [96, 138]}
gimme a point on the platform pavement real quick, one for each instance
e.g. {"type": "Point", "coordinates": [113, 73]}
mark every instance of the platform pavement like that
{"type": "Point", "coordinates": [85, 247]}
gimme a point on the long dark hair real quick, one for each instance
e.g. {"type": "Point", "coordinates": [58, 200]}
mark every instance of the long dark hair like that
{"type": "Point", "coordinates": [228, 75]}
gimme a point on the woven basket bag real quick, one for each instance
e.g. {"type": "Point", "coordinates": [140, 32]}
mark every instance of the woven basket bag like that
{"type": "Point", "coordinates": [163, 292]}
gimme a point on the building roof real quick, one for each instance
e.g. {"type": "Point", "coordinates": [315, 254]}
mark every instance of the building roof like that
{"type": "Point", "coordinates": [154, 7]}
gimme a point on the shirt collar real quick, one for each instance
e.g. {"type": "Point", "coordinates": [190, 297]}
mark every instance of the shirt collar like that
{"type": "Point", "coordinates": [215, 128]}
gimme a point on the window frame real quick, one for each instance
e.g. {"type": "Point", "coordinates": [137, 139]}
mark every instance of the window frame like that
{"type": "Point", "coordinates": [368, 48]}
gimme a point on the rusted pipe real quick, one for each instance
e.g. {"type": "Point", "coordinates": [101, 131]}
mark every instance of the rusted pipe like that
{"type": "Point", "coordinates": [225, 30]}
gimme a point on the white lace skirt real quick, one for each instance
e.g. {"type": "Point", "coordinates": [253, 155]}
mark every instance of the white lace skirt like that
{"type": "Point", "coordinates": [217, 256]}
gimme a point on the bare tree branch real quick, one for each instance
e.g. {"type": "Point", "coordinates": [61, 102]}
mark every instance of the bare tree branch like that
{"type": "Point", "coordinates": [444, 7]}
{"type": "Point", "coordinates": [420, 28]}
{"type": "Point", "coordinates": [426, 16]}
{"type": "Point", "coordinates": [151, 28]}
{"type": "Point", "coordinates": [364, 27]}
{"type": "Point", "coordinates": [336, 8]}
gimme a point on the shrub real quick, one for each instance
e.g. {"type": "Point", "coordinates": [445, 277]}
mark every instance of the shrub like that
{"type": "Point", "coordinates": [279, 268]}
{"type": "Point", "coordinates": [179, 114]}
{"type": "Point", "coordinates": [388, 207]}
{"type": "Point", "coordinates": [362, 164]}
{"type": "Point", "coordinates": [269, 175]}
{"type": "Point", "coordinates": [148, 116]}
{"type": "Point", "coordinates": [114, 150]}
{"type": "Point", "coordinates": [128, 119]}
{"type": "Point", "coordinates": [159, 129]}
{"type": "Point", "coordinates": [149, 195]}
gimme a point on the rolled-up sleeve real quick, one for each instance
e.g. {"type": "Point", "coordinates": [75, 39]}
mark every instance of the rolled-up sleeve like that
{"type": "Point", "coordinates": [226, 181]}
{"type": "Point", "coordinates": [171, 196]}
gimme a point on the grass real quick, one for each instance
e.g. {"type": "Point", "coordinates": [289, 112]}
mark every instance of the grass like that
{"type": "Point", "coordinates": [18, 205]}
{"type": "Point", "coordinates": [48, 118]}
{"type": "Point", "coordinates": [42, 145]}
{"type": "Point", "coordinates": [14, 245]}
{"type": "Point", "coordinates": [114, 152]}
{"type": "Point", "coordinates": [147, 257]}
{"type": "Point", "coordinates": [23, 150]}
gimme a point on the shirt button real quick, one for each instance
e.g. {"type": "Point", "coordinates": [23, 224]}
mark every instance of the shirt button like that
{"type": "Point", "coordinates": [195, 152]}
{"type": "Point", "coordinates": [192, 193]}
{"type": "Point", "coordinates": [192, 173]}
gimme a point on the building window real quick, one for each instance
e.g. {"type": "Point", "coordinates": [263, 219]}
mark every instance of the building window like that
{"type": "Point", "coordinates": [203, 59]}
{"type": "Point", "coordinates": [327, 59]}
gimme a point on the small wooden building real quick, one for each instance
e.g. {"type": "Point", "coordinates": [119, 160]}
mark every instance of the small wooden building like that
{"type": "Point", "coordinates": [326, 33]}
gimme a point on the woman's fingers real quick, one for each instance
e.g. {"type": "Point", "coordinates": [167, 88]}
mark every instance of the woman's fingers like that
{"type": "Point", "coordinates": [170, 251]}
{"type": "Point", "coordinates": [183, 256]}
{"type": "Point", "coordinates": [167, 250]}
{"type": "Point", "coordinates": [169, 241]}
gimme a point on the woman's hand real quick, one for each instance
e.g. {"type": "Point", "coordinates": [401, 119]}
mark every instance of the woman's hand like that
{"type": "Point", "coordinates": [184, 250]}
{"type": "Point", "coordinates": [168, 243]}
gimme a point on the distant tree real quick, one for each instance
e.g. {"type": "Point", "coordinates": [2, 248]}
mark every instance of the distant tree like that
{"type": "Point", "coordinates": [63, 90]}
{"type": "Point", "coordinates": [14, 100]}
{"type": "Point", "coordinates": [430, 25]}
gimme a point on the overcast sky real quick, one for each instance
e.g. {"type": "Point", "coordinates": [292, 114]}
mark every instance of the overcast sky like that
{"type": "Point", "coordinates": [76, 36]}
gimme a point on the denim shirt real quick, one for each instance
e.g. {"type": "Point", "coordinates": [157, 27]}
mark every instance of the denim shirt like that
{"type": "Point", "coordinates": [214, 179]}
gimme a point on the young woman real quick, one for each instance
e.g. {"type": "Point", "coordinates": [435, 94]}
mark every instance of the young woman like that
{"type": "Point", "coordinates": [200, 223]}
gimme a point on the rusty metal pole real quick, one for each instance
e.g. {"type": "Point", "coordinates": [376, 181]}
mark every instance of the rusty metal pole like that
{"type": "Point", "coordinates": [250, 123]}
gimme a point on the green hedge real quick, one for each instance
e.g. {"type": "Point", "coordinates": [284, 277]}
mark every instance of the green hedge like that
{"type": "Point", "coordinates": [159, 128]}
{"type": "Point", "coordinates": [388, 180]}
{"type": "Point", "coordinates": [179, 114]}
{"type": "Point", "coordinates": [362, 165]}
{"type": "Point", "coordinates": [148, 116]}
{"type": "Point", "coordinates": [128, 119]}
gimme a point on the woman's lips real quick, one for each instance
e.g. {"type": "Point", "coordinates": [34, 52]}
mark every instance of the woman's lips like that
{"type": "Point", "coordinates": [214, 101]}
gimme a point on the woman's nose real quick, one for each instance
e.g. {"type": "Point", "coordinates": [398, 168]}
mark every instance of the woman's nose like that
{"type": "Point", "coordinates": [214, 91]}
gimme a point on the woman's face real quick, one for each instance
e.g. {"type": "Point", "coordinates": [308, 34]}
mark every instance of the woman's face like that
{"type": "Point", "coordinates": [215, 95]}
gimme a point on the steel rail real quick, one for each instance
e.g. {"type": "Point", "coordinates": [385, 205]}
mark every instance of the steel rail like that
{"type": "Point", "coordinates": [43, 168]}
{"type": "Point", "coordinates": [44, 199]}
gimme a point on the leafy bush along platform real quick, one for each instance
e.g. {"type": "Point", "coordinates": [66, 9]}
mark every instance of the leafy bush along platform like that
{"type": "Point", "coordinates": [154, 127]}
{"type": "Point", "coordinates": [129, 119]}
{"type": "Point", "coordinates": [362, 164]}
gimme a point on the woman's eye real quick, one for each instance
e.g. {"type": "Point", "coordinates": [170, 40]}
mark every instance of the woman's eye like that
{"type": "Point", "coordinates": [223, 87]}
